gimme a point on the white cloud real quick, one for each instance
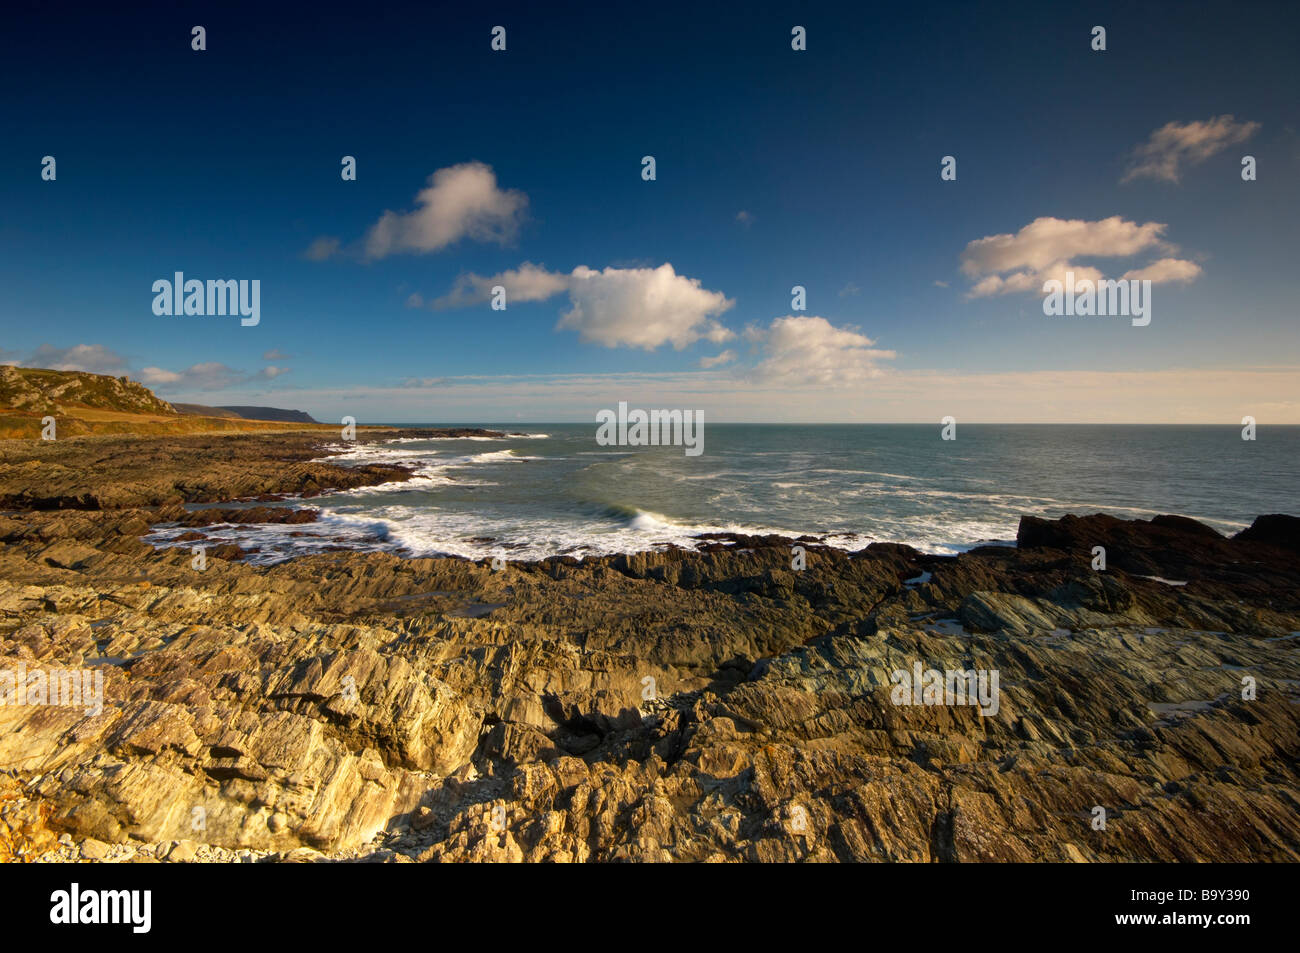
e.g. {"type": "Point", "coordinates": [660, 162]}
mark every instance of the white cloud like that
{"type": "Point", "coordinates": [1032, 281]}
{"type": "Point", "coordinates": [745, 218]}
{"type": "Point", "coordinates": [94, 358]}
{"type": "Point", "coordinates": [849, 290]}
{"type": "Point", "coordinates": [1188, 143]}
{"type": "Point", "coordinates": [643, 307]}
{"type": "Point", "coordinates": [811, 350]}
{"type": "Point", "coordinates": [154, 376]}
{"type": "Point", "coordinates": [210, 375]}
{"type": "Point", "coordinates": [1045, 249]}
{"type": "Point", "coordinates": [1047, 241]}
{"type": "Point", "coordinates": [726, 357]}
{"type": "Point", "coordinates": [97, 359]}
{"type": "Point", "coordinates": [275, 354]}
{"type": "Point", "coordinates": [628, 307]}
{"type": "Point", "coordinates": [528, 282]}
{"type": "Point", "coordinates": [460, 201]}
{"type": "Point", "coordinates": [1166, 269]}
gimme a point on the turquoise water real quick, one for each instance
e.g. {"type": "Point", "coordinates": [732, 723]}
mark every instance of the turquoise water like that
{"type": "Point", "coordinates": [558, 491]}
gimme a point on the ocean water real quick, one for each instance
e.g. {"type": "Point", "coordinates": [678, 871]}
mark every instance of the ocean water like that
{"type": "Point", "coordinates": [556, 490]}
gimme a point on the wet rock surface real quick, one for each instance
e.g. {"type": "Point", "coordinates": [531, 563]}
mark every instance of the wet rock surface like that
{"type": "Point", "coordinates": [672, 706]}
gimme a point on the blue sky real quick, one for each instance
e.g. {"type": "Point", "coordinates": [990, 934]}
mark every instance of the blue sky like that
{"type": "Point", "coordinates": [775, 168]}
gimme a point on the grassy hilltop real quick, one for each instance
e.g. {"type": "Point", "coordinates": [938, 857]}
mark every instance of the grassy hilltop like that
{"type": "Point", "coordinates": [84, 403]}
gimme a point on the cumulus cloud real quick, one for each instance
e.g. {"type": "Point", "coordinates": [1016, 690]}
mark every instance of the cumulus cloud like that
{"type": "Point", "coordinates": [1165, 270]}
{"type": "Point", "coordinates": [1046, 248]}
{"type": "Point", "coordinates": [210, 375]}
{"type": "Point", "coordinates": [1047, 241]}
{"type": "Point", "coordinates": [1176, 144]}
{"type": "Point", "coordinates": [1032, 281]}
{"type": "Point", "coordinates": [726, 357]}
{"type": "Point", "coordinates": [643, 307]}
{"type": "Point", "coordinates": [528, 282]}
{"type": "Point", "coordinates": [849, 290]}
{"type": "Point", "coordinates": [460, 201]}
{"type": "Point", "coordinates": [811, 350]}
{"type": "Point", "coordinates": [616, 307]}
{"type": "Point", "coordinates": [154, 376]}
{"type": "Point", "coordinates": [94, 358]}
{"type": "Point", "coordinates": [275, 354]}
{"type": "Point", "coordinates": [745, 218]}
{"type": "Point", "coordinates": [97, 359]}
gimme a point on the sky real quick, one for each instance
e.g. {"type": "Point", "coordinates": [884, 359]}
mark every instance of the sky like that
{"type": "Point", "coordinates": [774, 167]}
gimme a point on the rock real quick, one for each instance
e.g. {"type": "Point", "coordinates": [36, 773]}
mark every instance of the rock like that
{"type": "Point", "coordinates": [92, 849]}
{"type": "Point", "coordinates": [314, 708]}
{"type": "Point", "coordinates": [1273, 530]}
{"type": "Point", "coordinates": [68, 555]}
{"type": "Point", "coordinates": [994, 611]}
{"type": "Point", "coordinates": [302, 855]}
{"type": "Point", "coordinates": [182, 852]}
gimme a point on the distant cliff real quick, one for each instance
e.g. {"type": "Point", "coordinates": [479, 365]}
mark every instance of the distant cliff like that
{"type": "Point", "coordinates": [272, 413]}
{"type": "Point", "coordinates": [203, 410]}
{"type": "Point", "coordinates": [249, 413]}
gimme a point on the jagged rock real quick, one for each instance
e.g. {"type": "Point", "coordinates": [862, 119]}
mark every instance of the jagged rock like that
{"type": "Point", "coordinates": [1275, 529]}
{"type": "Point", "coordinates": [356, 706]}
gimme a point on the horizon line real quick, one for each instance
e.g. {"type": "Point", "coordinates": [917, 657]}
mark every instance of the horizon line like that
{"type": "Point", "coordinates": [826, 423]}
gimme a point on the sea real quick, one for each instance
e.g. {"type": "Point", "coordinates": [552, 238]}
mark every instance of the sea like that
{"type": "Point", "coordinates": [550, 489]}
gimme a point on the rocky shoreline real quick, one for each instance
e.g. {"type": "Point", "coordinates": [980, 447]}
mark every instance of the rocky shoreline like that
{"type": "Point", "coordinates": [717, 705]}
